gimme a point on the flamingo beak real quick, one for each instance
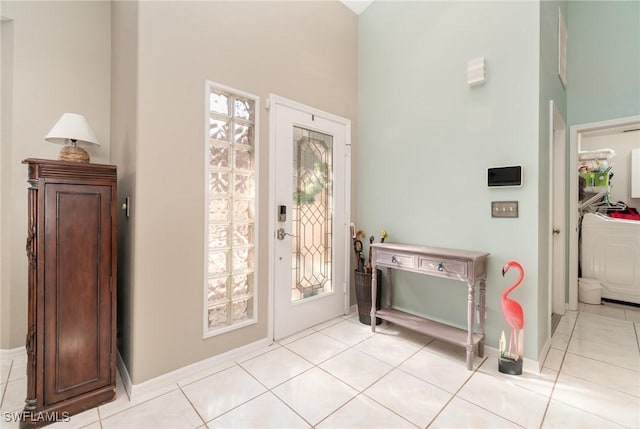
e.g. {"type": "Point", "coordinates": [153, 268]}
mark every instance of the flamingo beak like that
{"type": "Point", "coordinates": [504, 270]}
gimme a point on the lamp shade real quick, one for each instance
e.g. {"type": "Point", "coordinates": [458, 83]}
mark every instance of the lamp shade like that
{"type": "Point", "coordinates": [74, 127]}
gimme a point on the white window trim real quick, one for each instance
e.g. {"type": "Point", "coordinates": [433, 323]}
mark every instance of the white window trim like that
{"type": "Point", "coordinates": [209, 85]}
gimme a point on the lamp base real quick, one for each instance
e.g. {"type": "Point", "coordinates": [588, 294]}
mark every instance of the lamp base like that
{"type": "Point", "coordinates": [73, 154]}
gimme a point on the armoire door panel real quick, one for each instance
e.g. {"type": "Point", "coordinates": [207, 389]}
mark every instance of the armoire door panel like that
{"type": "Point", "coordinates": [77, 264]}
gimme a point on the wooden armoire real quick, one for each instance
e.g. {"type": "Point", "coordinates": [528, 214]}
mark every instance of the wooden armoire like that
{"type": "Point", "coordinates": [71, 248]}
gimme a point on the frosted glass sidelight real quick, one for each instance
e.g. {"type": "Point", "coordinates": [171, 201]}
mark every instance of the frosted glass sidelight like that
{"type": "Point", "coordinates": [219, 210]}
{"type": "Point", "coordinates": [218, 289]}
{"type": "Point", "coordinates": [243, 185]}
{"type": "Point", "coordinates": [217, 316]}
{"type": "Point", "coordinates": [240, 309]}
{"type": "Point", "coordinates": [242, 284]}
{"type": "Point", "coordinates": [219, 157]}
{"type": "Point", "coordinates": [218, 236]}
{"type": "Point", "coordinates": [219, 103]}
{"type": "Point", "coordinates": [242, 260]}
{"type": "Point", "coordinates": [243, 134]}
{"type": "Point", "coordinates": [230, 216]}
{"type": "Point", "coordinates": [243, 158]}
{"type": "Point", "coordinates": [242, 234]}
{"type": "Point", "coordinates": [219, 129]}
{"type": "Point", "coordinates": [219, 182]}
{"type": "Point", "coordinates": [244, 109]}
{"type": "Point", "coordinates": [243, 210]}
{"type": "Point", "coordinates": [218, 263]}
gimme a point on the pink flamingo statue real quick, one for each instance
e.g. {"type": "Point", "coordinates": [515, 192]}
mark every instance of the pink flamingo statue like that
{"type": "Point", "coordinates": [511, 309]}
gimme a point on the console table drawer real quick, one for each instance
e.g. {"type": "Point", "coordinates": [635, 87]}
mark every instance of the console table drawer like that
{"type": "Point", "coordinates": [405, 261]}
{"type": "Point", "coordinates": [443, 266]}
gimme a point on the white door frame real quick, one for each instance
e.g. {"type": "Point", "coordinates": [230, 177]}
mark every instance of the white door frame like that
{"type": "Point", "coordinates": [557, 136]}
{"type": "Point", "coordinates": [272, 226]}
{"type": "Point", "coordinates": [574, 146]}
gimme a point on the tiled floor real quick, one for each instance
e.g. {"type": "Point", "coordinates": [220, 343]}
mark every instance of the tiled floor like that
{"type": "Point", "coordinates": [338, 375]}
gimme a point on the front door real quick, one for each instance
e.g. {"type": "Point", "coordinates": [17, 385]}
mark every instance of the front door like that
{"type": "Point", "coordinates": [310, 172]}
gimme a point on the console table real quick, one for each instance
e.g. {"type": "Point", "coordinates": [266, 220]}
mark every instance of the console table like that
{"type": "Point", "coordinates": [461, 265]}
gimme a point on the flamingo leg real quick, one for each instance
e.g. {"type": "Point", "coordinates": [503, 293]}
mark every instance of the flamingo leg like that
{"type": "Point", "coordinates": [515, 342]}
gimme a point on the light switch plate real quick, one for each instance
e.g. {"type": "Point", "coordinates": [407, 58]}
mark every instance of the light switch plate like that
{"type": "Point", "coordinates": [504, 209]}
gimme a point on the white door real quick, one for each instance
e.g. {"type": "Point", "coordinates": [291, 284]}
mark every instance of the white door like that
{"type": "Point", "coordinates": [557, 165]}
{"type": "Point", "coordinates": [310, 207]}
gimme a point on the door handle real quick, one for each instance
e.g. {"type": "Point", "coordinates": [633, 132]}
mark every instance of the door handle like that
{"type": "Point", "coordinates": [281, 234]}
{"type": "Point", "coordinates": [556, 231]}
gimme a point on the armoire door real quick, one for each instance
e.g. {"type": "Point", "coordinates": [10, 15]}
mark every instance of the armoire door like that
{"type": "Point", "coordinates": [77, 288]}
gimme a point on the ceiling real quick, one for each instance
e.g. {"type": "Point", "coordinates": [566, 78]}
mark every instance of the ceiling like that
{"type": "Point", "coordinates": [358, 6]}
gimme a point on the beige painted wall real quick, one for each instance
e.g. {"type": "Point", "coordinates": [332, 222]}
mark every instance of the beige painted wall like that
{"type": "Point", "coordinates": [306, 51]}
{"type": "Point", "coordinates": [124, 120]}
{"type": "Point", "coordinates": [61, 53]}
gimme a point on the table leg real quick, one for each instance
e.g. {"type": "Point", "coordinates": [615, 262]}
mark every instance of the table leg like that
{"type": "Point", "coordinates": [374, 296]}
{"type": "Point", "coordinates": [470, 310]}
{"type": "Point", "coordinates": [482, 311]}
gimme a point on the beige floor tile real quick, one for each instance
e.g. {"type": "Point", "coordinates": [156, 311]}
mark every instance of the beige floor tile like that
{"type": "Point", "coordinates": [463, 414]}
{"type": "Point", "coordinates": [505, 399]}
{"type": "Point", "coordinates": [605, 310]}
{"type": "Point", "coordinates": [347, 332]}
{"type": "Point", "coordinates": [357, 369]}
{"type": "Point", "coordinates": [388, 348]}
{"type": "Point", "coordinates": [78, 421]}
{"type": "Point", "coordinates": [626, 357]}
{"type": "Point", "coordinates": [276, 366]}
{"type": "Point", "coordinates": [604, 374]}
{"type": "Point", "coordinates": [221, 392]}
{"type": "Point", "coordinates": [171, 411]}
{"type": "Point", "coordinates": [538, 382]}
{"type": "Point", "coordinates": [554, 358]}
{"type": "Point", "coordinates": [563, 416]}
{"type": "Point", "coordinates": [596, 399]}
{"type": "Point", "coordinates": [18, 370]}
{"type": "Point", "coordinates": [440, 371]}
{"type": "Point", "coordinates": [316, 347]}
{"type": "Point", "coordinates": [560, 341]}
{"type": "Point", "coordinates": [328, 323]}
{"type": "Point", "coordinates": [453, 352]}
{"type": "Point", "coordinates": [296, 336]}
{"type": "Point", "coordinates": [315, 394]}
{"type": "Point", "coordinates": [14, 395]}
{"type": "Point", "coordinates": [410, 397]}
{"type": "Point", "coordinates": [5, 368]}
{"type": "Point", "coordinates": [362, 412]}
{"type": "Point", "coordinates": [265, 411]}
{"type": "Point", "coordinates": [632, 314]}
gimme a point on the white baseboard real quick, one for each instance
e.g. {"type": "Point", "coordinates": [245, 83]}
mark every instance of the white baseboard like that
{"type": "Point", "coordinates": [543, 353]}
{"type": "Point", "coordinates": [18, 352]}
{"type": "Point", "coordinates": [173, 377]}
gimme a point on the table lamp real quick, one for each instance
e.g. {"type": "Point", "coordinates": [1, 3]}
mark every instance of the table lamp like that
{"type": "Point", "coordinates": [71, 129]}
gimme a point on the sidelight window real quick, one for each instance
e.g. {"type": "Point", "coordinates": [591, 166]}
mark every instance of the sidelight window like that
{"type": "Point", "coordinates": [231, 143]}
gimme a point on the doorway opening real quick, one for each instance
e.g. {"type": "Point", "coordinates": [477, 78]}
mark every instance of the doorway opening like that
{"type": "Point", "coordinates": [577, 132]}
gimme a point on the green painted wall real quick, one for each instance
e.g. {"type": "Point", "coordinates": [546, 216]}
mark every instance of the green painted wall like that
{"type": "Point", "coordinates": [426, 140]}
{"type": "Point", "coordinates": [603, 60]}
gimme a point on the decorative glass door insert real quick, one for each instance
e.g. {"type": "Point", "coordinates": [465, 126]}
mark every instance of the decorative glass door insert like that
{"type": "Point", "coordinates": [312, 213]}
{"type": "Point", "coordinates": [230, 300]}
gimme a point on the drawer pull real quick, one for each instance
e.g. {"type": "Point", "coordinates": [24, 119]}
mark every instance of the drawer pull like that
{"type": "Point", "coordinates": [440, 266]}
{"type": "Point", "coordinates": [394, 259]}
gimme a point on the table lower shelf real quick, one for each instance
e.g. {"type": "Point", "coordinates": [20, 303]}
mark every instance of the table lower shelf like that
{"type": "Point", "coordinates": [428, 327]}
